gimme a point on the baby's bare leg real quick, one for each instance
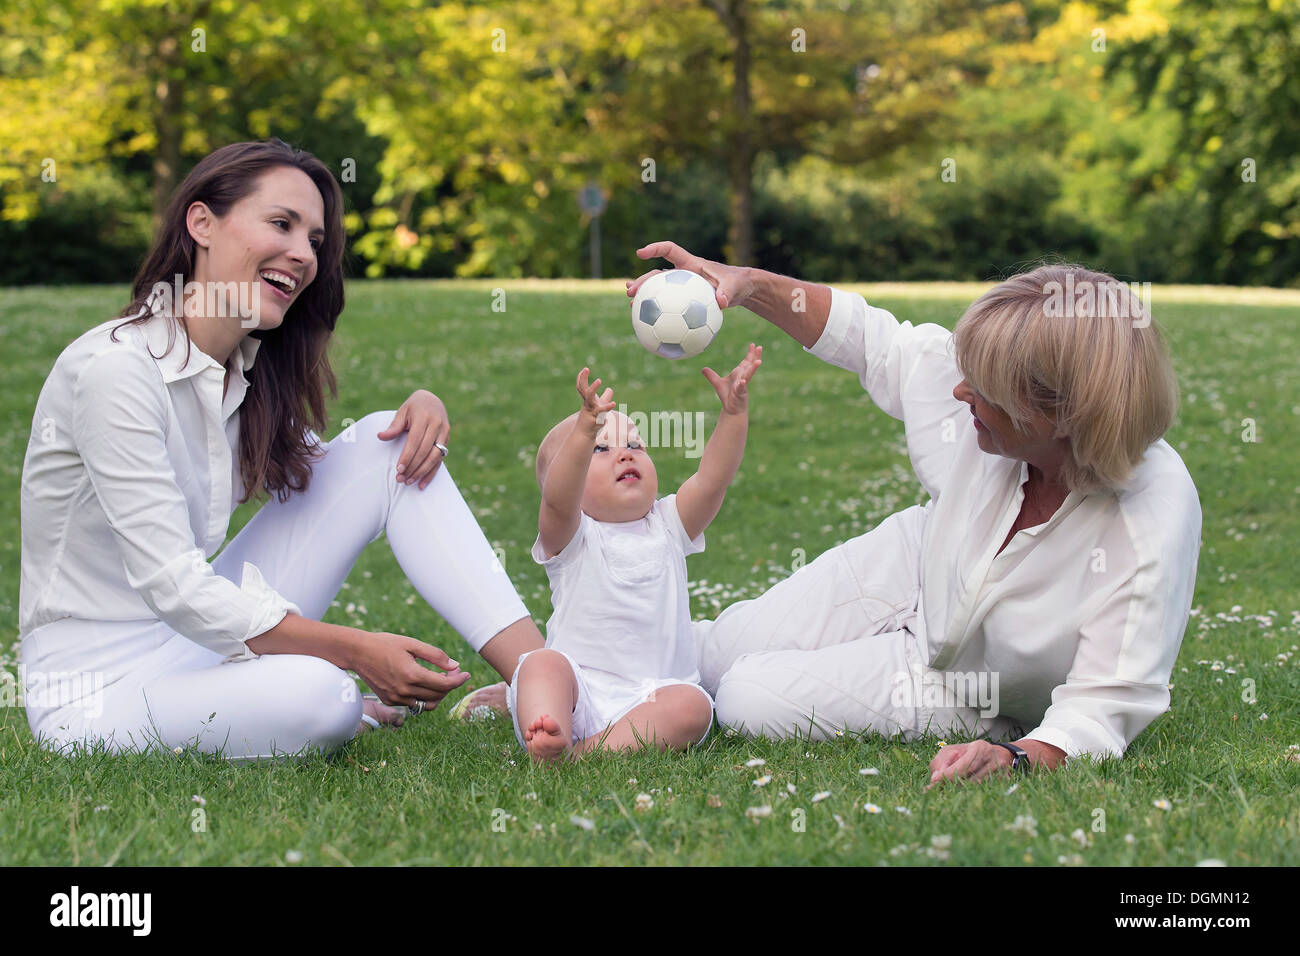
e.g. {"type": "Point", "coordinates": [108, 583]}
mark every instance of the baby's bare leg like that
{"type": "Point", "coordinates": [676, 717]}
{"type": "Point", "coordinates": [545, 699]}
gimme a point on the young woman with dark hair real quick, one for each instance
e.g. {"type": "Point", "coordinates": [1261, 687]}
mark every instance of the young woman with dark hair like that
{"type": "Point", "coordinates": [131, 636]}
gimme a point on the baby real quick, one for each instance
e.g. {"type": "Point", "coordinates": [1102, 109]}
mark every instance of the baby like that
{"type": "Point", "coordinates": [619, 670]}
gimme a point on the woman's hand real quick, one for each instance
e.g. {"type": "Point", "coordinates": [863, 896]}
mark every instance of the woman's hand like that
{"type": "Point", "coordinates": [733, 390]}
{"type": "Point", "coordinates": [389, 664]}
{"type": "Point", "coordinates": [425, 417]}
{"type": "Point", "coordinates": [733, 284]}
{"type": "Point", "coordinates": [980, 759]}
{"type": "Point", "coordinates": [972, 761]}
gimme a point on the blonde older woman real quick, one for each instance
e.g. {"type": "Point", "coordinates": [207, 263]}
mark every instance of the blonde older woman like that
{"type": "Point", "coordinates": [1038, 600]}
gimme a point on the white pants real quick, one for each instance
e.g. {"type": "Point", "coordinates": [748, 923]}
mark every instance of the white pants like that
{"type": "Point", "coordinates": [835, 648]}
{"type": "Point", "coordinates": [164, 690]}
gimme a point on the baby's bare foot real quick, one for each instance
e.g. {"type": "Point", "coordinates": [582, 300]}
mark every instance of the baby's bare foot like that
{"type": "Point", "coordinates": [544, 740]}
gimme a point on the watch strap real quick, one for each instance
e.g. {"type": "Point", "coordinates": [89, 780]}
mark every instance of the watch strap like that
{"type": "Point", "coordinates": [1019, 759]}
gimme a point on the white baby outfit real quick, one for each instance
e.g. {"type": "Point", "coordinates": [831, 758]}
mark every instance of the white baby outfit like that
{"type": "Point", "coordinates": [622, 614]}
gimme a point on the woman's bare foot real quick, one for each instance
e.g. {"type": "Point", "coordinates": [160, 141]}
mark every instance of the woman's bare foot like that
{"type": "Point", "coordinates": [544, 740]}
{"type": "Point", "coordinates": [387, 716]}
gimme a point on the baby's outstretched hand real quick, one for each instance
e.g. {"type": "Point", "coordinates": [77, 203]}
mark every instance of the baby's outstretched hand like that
{"type": "Point", "coordinates": [594, 406]}
{"type": "Point", "coordinates": [733, 390]}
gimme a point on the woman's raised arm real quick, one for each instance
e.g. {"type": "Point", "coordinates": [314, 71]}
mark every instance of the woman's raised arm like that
{"type": "Point", "coordinates": [798, 308]}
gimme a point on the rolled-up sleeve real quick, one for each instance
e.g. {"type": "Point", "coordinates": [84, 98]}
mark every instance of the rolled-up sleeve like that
{"type": "Point", "coordinates": [1118, 682]}
{"type": "Point", "coordinates": [119, 428]}
{"type": "Point", "coordinates": [909, 372]}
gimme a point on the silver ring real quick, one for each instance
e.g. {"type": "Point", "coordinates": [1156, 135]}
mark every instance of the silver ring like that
{"type": "Point", "coordinates": [416, 709]}
{"type": "Point", "coordinates": [441, 447]}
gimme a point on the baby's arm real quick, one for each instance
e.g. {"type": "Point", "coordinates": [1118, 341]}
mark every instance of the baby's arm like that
{"type": "Point", "coordinates": [700, 497]}
{"type": "Point", "coordinates": [566, 477]}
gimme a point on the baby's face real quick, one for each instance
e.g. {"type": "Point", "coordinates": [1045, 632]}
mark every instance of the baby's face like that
{"type": "Point", "coordinates": [622, 483]}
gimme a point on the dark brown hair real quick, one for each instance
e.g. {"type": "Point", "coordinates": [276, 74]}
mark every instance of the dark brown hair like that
{"type": "Point", "coordinates": [291, 373]}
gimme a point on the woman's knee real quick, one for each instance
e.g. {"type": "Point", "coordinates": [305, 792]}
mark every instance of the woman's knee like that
{"type": "Point", "coordinates": [324, 701]}
{"type": "Point", "coordinates": [364, 432]}
{"type": "Point", "coordinates": [369, 426]}
{"type": "Point", "coordinates": [746, 700]}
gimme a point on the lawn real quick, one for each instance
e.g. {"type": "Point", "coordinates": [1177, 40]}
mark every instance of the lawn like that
{"type": "Point", "coordinates": [1211, 779]}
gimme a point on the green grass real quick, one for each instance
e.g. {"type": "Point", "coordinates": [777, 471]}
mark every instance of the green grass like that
{"type": "Point", "coordinates": [822, 465]}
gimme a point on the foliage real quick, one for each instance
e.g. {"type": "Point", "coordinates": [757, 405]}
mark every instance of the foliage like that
{"type": "Point", "coordinates": [462, 132]}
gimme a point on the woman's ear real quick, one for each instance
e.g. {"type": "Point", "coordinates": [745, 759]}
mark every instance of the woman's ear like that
{"type": "Point", "coordinates": [199, 221]}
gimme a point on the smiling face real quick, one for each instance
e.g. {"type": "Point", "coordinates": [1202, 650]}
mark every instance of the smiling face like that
{"type": "Point", "coordinates": [622, 482]}
{"type": "Point", "coordinates": [268, 239]}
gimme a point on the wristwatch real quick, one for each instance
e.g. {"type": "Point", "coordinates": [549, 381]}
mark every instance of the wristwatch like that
{"type": "Point", "coordinates": [1019, 759]}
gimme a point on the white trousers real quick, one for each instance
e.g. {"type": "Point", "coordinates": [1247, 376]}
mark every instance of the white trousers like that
{"type": "Point", "coordinates": [835, 647]}
{"type": "Point", "coordinates": [164, 690]}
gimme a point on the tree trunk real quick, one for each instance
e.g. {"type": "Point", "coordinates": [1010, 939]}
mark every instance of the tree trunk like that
{"type": "Point", "coordinates": [741, 148]}
{"type": "Point", "coordinates": [740, 231]}
{"type": "Point", "coordinates": [169, 94]}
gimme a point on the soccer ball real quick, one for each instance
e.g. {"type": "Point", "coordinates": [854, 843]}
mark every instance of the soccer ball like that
{"type": "Point", "coordinates": [675, 314]}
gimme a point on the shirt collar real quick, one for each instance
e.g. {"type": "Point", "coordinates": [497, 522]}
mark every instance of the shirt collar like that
{"type": "Point", "coordinates": [176, 364]}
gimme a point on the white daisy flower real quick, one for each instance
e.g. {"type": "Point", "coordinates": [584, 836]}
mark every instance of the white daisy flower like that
{"type": "Point", "coordinates": [1023, 824]}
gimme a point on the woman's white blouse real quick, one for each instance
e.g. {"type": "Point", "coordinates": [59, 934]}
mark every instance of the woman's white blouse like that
{"type": "Point", "coordinates": [1080, 619]}
{"type": "Point", "coordinates": [128, 486]}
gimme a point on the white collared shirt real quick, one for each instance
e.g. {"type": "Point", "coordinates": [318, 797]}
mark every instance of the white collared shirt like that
{"type": "Point", "coordinates": [128, 486]}
{"type": "Point", "coordinates": [1081, 617]}
{"type": "Point", "coordinates": [622, 606]}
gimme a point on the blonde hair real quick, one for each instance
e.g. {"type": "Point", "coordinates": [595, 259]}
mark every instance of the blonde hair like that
{"type": "Point", "coordinates": [550, 445]}
{"type": "Point", "coordinates": [556, 437]}
{"type": "Point", "coordinates": [1080, 348]}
